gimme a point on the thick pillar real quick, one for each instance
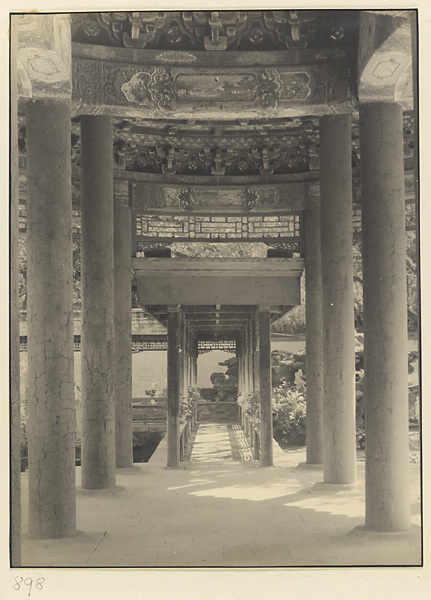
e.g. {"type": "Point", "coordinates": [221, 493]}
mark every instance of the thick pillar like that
{"type": "Point", "coordinates": [51, 403]}
{"type": "Point", "coordinates": [15, 419]}
{"type": "Point", "coordinates": [266, 453]}
{"type": "Point", "coordinates": [385, 317]}
{"type": "Point", "coordinates": [97, 312]}
{"type": "Point", "coordinates": [250, 357]}
{"type": "Point", "coordinates": [133, 232]}
{"type": "Point", "coordinates": [174, 377]}
{"type": "Point", "coordinates": [339, 427]}
{"type": "Point", "coordinates": [195, 361]}
{"type": "Point", "coordinates": [186, 351]}
{"type": "Point", "coordinates": [245, 362]}
{"type": "Point", "coordinates": [181, 355]}
{"type": "Point", "coordinates": [313, 336]}
{"type": "Point", "coordinates": [239, 362]}
{"type": "Point", "coordinates": [123, 334]}
{"type": "Point", "coordinates": [256, 350]}
{"type": "Point", "coordinates": [190, 356]}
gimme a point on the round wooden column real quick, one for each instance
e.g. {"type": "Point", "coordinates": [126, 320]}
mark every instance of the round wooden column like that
{"type": "Point", "coordinates": [186, 363]}
{"type": "Point", "coordinates": [97, 312]}
{"type": "Point", "coordinates": [240, 351]}
{"type": "Point", "coordinates": [250, 367]}
{"type": "Point", "coordinates": [195, 360]}
{"type": "Point", "coordinates": [256, 349]}
{"type": "Point", "coordinates": [174, 377]}
{"type": "Point", "coordinates": [339, 426]}
{"type": "Point", "coordinates": [385, 317]}
{"type": "Point", "coordinates": [51, 402]}
{"type": "Point", "coordinates": [245, 361]}
{"type": "Point", "coordinates": [123, 334]}
{"type": "Point", "coordinates": [266, 451]}
{"type": "Point", "coordinates": [15, 399]}
{"type": "Point", "coordinates": [313, 336]}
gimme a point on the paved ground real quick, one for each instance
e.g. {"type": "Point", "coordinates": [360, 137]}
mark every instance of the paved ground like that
{"type": "Point", "coordinates": [222, 509]}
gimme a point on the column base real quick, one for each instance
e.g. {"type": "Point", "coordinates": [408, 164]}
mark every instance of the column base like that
{"type": "Point", "coordinates": [106, 493]}
{"type": "Point", "coordinates": [27, 536]}
{"type": "Point", "coordinates": [136, 469]}
{"type": "Point", "coordinates": [361, 533]}
{"type": "Point", "coordinates": [324, 486]}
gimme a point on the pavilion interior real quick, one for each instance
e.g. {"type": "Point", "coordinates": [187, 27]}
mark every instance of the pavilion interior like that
{"type": "Point", "coordinates": [291, 130]}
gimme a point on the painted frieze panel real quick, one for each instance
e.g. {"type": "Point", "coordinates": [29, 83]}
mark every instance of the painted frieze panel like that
{"type": "Point", "coordinates": [166, 88]}
{"type": "Point", "coordinates": [218, 228]}
{"type": "Point", "coordinates": [149, 197]}
{"type": "Point", "coordinates": [177, 90]}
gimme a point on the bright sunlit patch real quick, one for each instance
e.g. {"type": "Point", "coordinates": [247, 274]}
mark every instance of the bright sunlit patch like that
{"type": "Point", "coordinates": [192, 484]}
{"type": "Point", "coordinates": [336, 505]}
{"type": "Point", "coordinates": [254, 493]}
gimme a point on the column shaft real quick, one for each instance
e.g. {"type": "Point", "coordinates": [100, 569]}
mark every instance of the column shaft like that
{"type": "Point", "coordinates": [181, 355]}
{"type": "Point", "coordinates": [15, 418]}
{"type": "Point", "coordinates": [385, 317]}
{"type": "Point", "coordinates": [174, 377]}
{"type": "Point", "coordinates": [250, 358]}
{"type": "Point", "coordinates": [256, 350]}
{"type": "Point", "coordinates": [245, 363]}
{"type": "Point", "coordinates": [239, 363]}
{"type": "Point", "coordinates": [195, 361]}
{"type": "Point", "coordinates": [123, 335]}
{"type": "Point", "coordinates": [186, 360]}
{"type": "Point", "coordinates": [313, 343]}
{"type": "Point", "coordinates": [97, 312]}
{"type": "Point", "coordinates": [265, 388]}
{"type": "Point", "coordinates": [51, 402]}
{"type": "Point", "coordinates": [337, 295]}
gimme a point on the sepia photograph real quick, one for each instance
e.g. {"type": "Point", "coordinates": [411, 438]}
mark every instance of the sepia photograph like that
{"type": "Point", "coordinates": [215, 292]}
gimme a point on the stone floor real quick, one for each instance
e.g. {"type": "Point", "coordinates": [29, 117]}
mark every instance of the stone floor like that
{"type": "Point", "coordinates": [221, 509]}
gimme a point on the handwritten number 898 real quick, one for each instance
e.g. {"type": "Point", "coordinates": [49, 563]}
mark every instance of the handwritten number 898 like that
{"type": "Point", "coordinates": [28, 581]}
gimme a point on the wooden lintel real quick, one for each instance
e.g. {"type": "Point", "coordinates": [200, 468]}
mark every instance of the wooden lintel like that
{"type": "Point", "coordinates": [204, 287]}
{"type": "Point", "coordinates": [235, 267]}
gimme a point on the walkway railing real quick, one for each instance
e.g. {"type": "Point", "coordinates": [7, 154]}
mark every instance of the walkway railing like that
{"type": "Point", "coordinates": [251, 427]}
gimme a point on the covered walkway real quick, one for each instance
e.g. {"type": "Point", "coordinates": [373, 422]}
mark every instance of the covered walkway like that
{"type": "Point", "coordinates": [219, 510]}
{"type": "Point", "coordinates": [272, 129]}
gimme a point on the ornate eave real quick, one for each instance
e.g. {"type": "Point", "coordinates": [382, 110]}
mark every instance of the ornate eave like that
{"type": "Point", "coordinates": [220, 31]}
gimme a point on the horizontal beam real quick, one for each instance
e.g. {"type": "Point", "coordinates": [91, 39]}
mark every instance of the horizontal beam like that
{"type": "Point", "coordinates": [162, 267]}
{"type": "Point", "coordinates": [255, 289]}
{"type": "Point", "coordinates": [235, 324]}
{"type": "Point", "coordinates": [219, 315]}
{"type": "Point", "coordinates": [263, 238]}
{"type": "Point", "coordinates": [104, 84]}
